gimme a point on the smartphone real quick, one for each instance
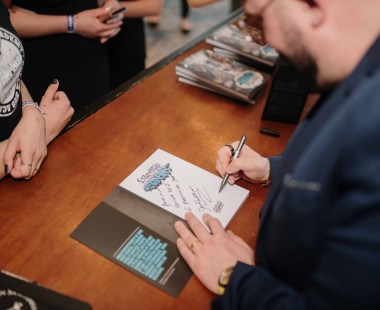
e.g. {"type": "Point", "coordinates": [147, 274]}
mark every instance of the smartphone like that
{"type": "Point", "coordinates": [112, 16]}
{"type": "Point", "coordinates": [118, 11]}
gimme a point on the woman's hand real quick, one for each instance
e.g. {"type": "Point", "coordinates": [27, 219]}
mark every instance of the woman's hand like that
{"type": "Point", "coordinates": [111, 6]}
{"type": "Point", "coordinates": [26, 148]}
{"type": "Point", "coordinates": [90, 23]}
{"type": "Point", "coordinates": [57, 110]}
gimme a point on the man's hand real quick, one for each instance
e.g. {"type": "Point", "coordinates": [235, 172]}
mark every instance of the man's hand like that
{"type": "Point", "coordinates": [208, 254]}
{"type": "Point", "coordinates": [249, 165]}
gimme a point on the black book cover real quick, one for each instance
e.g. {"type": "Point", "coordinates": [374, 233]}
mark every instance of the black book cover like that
{"type": "Point", "coordinates": [17, 293]}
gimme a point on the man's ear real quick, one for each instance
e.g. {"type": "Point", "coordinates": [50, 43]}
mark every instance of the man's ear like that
{"type": "Point", "coordinates": [318, 13]}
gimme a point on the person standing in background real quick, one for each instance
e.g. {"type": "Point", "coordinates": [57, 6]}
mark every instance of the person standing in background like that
{"type": "Point", "coordinates": [185, 24]}
{"type": "Point", "coordinates": [96, 51]}
{"type": "Point", "coordinates": [127, 51]}
{"type": "Point", "coordinates": [62, 40]}
{"type": "Point", "coordinates": [26, 127]}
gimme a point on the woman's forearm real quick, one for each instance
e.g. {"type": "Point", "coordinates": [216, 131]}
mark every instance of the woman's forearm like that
{"type": "Point", "coordinates": [142, 8]}
{"type": "Point", "coordinates": [3, 146]}
{"type": "Point", "coordinates": [30, 24]}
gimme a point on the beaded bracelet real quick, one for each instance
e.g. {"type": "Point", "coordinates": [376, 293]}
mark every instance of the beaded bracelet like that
{"type": "Point", "coordinates": [33, 104]}
{"type": "Point", "coordinates": [70, 24]}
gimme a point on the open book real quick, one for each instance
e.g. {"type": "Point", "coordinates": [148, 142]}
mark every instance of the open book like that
{"type": "Point", "coordinates": [134, 225]}
{"type": "Point", "coordinates": [222, 75]}
{"type": "Point", "coordinates": [178, 187]}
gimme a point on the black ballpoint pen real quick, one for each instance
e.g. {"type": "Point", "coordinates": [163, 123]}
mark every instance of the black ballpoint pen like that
{"type": "Point", "coordinates": [236, 155]}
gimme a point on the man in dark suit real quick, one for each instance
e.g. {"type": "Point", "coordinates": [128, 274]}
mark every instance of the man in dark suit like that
{"type": "Point", "coordinates": [319, 240]}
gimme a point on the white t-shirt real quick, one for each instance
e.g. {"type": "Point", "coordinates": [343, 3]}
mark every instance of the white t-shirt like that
{"type": "Point", "coordinates": [11, 65]}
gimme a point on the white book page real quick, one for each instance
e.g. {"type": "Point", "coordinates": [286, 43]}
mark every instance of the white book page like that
{"type": "Point", "coordinates": [179, 187]}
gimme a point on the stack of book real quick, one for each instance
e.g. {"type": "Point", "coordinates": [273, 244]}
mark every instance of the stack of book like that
{"type": "Point", "coordinates": [243, 43]}
{"type": "Point", "coordinates": [210, 71]}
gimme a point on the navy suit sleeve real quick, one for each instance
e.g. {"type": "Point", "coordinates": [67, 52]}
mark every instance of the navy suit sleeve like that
{"type": "Point", "coordinates": [252, 287]}
{"type": "Point", "coordinates": [346, 274]}
{"type": "Point", "coordinates": [275, 164]}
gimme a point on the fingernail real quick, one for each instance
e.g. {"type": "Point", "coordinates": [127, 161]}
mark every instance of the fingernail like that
{"type": "Point", "coordinates": [55, 81]}
{"type": "Point", "coordinates": [6, 169]}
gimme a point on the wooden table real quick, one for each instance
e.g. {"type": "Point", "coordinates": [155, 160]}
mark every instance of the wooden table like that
{"type": "Point", "coordinates": [93, 157]}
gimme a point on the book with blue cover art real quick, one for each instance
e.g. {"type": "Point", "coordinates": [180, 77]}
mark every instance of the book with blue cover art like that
{"type": "Point", "coordinates": [233, 39]}
{"type": "Point", "coordinates": [224, 75]}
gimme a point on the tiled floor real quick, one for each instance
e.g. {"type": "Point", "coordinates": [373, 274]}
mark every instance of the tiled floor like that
{"type": "Point", "coordinates": [167, 37]}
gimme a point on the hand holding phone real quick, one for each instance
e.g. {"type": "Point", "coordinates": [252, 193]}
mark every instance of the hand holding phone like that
{"type": "Point", "coordinates": [118, 11]}
{"type": "Point", "coordinates": [116, 15]}
{"type": "Point", "coordinates": [112, 14]}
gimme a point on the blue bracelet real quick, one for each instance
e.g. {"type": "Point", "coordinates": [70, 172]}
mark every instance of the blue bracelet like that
{"type": "Point", "coordinates": [70, 24]}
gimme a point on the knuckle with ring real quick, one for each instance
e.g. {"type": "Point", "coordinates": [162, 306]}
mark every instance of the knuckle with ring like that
{"type": "Point", "coordinates": [231, 149]}
{"type": "Point", "coordinates": [194, 244]}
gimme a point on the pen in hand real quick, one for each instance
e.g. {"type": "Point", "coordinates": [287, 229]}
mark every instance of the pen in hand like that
{"type": "Point", "coordinates": [236, 155]}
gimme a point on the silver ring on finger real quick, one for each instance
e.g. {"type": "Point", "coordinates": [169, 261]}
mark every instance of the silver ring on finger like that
{"type": "Point", "coordinates": [231, 149]}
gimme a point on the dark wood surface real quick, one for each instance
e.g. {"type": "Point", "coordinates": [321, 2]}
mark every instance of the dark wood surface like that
{"type": "Point", "coordinates": [93, 157]}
